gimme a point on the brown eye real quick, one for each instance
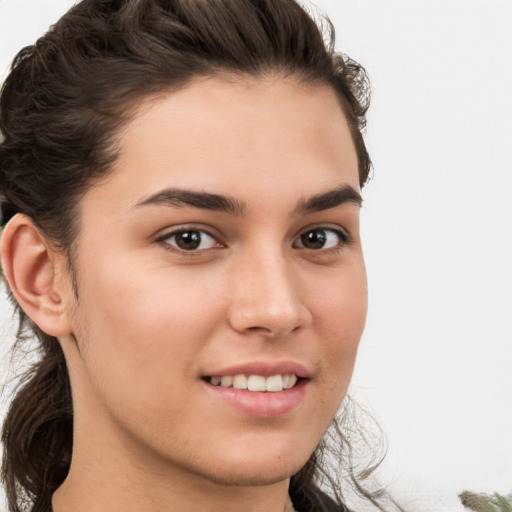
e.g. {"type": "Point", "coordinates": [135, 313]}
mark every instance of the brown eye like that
{"type": "Point", "coordinates": [190, 240]}
{"type": "Point", "coordinates": [321, 238]}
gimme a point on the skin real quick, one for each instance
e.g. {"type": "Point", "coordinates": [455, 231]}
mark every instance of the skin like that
{"type": "Point", "coordinates": [152, 319]}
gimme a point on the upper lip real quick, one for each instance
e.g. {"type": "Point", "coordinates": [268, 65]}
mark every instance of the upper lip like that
{"type": "Point", "coordinates": [263, 368]}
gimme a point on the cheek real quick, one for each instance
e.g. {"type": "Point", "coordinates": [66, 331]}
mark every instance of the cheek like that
{"type": "Point", "coordinates": [341, 315]}
{"type": "Point", "coordinates": [145, 325]}
{"type": "Point", "coordinates": [341, 304]}
{"type": "Point", "coordinates": [141, 339]}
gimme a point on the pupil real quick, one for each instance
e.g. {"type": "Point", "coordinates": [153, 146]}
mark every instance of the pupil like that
{"type": "Point", "coordinates": [188, 240]}
{"type": "Point", "coordinates": [314, 239]}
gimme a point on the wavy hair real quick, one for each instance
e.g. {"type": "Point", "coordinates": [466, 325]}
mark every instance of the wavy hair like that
{"type": "Point", "coordinates": [64, 101]}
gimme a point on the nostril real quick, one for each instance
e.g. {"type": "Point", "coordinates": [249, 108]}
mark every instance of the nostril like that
{"type": "Point", "coordinates": [256, 329]}
{"type": "Point", "coordinates": [273, 318]}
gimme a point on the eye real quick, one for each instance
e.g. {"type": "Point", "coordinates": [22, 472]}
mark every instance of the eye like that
{"type": "Point", "coordinates": [190, 240]}
{"type": "Point", "coordinates": [322, 238]}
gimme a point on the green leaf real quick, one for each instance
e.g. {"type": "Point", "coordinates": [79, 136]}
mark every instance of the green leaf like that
{"type": "Point", "coordinates": [480, 502]}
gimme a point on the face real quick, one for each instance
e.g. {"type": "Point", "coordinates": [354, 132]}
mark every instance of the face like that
{"type": "Point", "coordinates": [221, 253]}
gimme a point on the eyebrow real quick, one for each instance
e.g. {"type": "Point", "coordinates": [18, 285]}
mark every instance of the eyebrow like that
{"type": "Point", "coordinates": [217, 202]}
{"type": "Point", "coordinates": [330, 199]}
{"type": "Point", "coordinates": [202, 200]}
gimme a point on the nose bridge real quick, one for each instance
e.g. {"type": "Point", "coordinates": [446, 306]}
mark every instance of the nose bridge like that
{"type": "Point", "coordinates": [266, 296]}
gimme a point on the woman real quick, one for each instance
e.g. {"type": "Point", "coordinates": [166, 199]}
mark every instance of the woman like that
{"type": "Point", "coordinates": [181, 190]}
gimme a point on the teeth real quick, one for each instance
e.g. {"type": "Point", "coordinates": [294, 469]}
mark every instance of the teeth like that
{"type": "Point", "coordinates": [226, 382]}
{"type": "Point", "coordinates": [272, 384]}
{"type": "Point", "coordinates": [291, 382]}
{"type": "Point", "coordinates": [240, 382]}
{"type": "Point", "coordinates": [256, 383]}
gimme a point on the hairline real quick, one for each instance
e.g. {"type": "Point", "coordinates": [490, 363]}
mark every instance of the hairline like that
{"type": "Point", "coordinates": [141, 101]}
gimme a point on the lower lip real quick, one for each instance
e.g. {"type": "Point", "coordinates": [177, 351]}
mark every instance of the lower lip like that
{"type": "Point", "coordinates": [261, 404]}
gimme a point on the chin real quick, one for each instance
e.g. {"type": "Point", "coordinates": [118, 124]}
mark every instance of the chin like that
{"type": "Point", "coordinates": [263, 469]}
{"type": "Point", "coordinates": [269, 460]}
{"type": "Point", "coordinates": [272, 473]}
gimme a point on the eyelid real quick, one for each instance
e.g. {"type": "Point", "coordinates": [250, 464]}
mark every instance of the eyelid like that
{"type": "Point", "coordinates": [183, 228]}
{"type": "Point", "coordinates": [342, 233]}
{"type": "Point", "coordinates": [345, 238]}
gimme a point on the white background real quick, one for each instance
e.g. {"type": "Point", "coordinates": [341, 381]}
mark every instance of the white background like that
{"type": "Point", "coordinates": [435, 364]}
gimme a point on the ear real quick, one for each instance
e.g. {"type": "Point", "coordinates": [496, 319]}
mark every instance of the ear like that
{"type": "Point", "coordinates": [36, 274]}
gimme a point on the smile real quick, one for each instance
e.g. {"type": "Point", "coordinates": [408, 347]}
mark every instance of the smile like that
{"type": "Point", "coordinates": [272, 384]}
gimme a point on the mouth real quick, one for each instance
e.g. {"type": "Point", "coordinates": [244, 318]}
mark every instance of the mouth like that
{"type": "Point", "coordinates": [262, 389]}
{"type": "Point", "coordinates": [256, 383]}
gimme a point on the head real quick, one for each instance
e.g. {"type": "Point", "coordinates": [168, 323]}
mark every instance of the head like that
{"type": "Point", "coordinates": [181, 184]}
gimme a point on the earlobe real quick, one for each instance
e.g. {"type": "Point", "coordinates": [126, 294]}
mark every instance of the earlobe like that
{"type": "Point", "coordinates": [30, 267]}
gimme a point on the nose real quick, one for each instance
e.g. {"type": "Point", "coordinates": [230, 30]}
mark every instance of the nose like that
{"type": "Point", "coordinates": [265, 298]}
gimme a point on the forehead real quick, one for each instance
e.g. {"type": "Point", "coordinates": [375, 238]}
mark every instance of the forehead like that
{"type": "Point", "coordinates": [231, 136]}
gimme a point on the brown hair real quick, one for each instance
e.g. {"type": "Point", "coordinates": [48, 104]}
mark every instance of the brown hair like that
{"type": "Point", "coordinates": [61, 106]}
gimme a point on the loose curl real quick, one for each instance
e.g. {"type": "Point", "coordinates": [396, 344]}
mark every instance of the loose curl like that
{"type": "Point", "coordinates": [61, 107]}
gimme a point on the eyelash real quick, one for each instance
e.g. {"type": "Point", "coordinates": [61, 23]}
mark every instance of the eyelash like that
{"type": "Point", "coordinates": [343, 237]}
{"type": "Point", "coordinates": [182, 231]}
